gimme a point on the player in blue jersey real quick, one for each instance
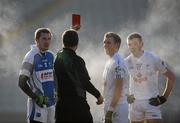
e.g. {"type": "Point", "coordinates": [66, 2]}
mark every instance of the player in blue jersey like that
{"type": "Point", "coordinates": [37, 81]}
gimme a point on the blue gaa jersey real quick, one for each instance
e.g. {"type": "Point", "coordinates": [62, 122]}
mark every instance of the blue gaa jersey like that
{"type": "Point", "coordinates": [39, 68]}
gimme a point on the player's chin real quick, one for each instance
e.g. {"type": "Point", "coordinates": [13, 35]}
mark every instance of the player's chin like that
{"type": "Point", "coordinates": [45, 48]}
{"type": "Point", "coordinates": [106, 51]}
{"type": "Point", "coordinates": [132, 50]}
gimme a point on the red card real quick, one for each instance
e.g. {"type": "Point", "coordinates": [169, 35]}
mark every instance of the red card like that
{"type": "Point", "coordinates": [76, 19]}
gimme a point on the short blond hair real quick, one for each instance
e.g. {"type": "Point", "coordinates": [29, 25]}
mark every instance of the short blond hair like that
{"type": "Point", "coordinates": [116, 37]}
{"type": "Point", "coordinates": [134, 35]}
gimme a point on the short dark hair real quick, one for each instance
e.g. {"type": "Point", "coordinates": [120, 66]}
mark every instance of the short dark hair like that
{"type": "Point", "coordinates": [70, 38]}
{"type": "Point", "coordinates": [116, 37]}
{"type": "Point", "coordinates": [38, 32]}
{"type": "Point", "coordinates": [134, 35]}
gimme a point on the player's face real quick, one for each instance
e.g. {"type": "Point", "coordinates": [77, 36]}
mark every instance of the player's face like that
{"type": "Point", "coordinates": [44, 41]}
{"type": "Point", "coordinates": [135, 45]}
{"type": "Point", "coordinates": [109, 46]}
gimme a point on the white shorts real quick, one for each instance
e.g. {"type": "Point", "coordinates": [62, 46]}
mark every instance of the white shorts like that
{"type": "Point", "coordinates": [141, 110]}
{"type": "Point", "coordinates": [120, 114]}
{"type": "Point", "coordinates": [36, 113]}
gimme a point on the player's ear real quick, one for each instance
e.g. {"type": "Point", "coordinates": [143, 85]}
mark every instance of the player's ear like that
{"type": "Point", "coordinates": [36, 41]}
{"type": "Point", "coordinates": [118, 46]}
{"type": "Point", "coordinates": [142, 43]}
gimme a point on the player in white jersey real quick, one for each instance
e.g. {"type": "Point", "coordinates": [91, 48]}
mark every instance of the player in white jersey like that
{"type": "Point", "coordinates": [144, 68]}
{"type": "Point", "coordinates": [36, 79]}
{"type": "Point", "coordinates": [115, 77]}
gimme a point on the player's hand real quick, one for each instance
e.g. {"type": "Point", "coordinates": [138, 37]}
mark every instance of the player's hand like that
{"type": "Point", "coordinates": [108, 117]}
{"type": "Point", "coordinates": [100, 100]}
{"type": "Point", "coordinates": [157, 100]}
{"type": "Point", "coordinates": [41, 100]}
{"type": "Point", "coordinates": [76, 27]}
{"type": "Point", "coordinates": [130, 98]}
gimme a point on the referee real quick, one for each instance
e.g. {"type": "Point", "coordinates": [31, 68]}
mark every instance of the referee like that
{"type": "Point", "coordinates": [73, 82]}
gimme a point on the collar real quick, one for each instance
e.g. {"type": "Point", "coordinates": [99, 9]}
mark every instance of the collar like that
{"type": "Point", "coordinates": [115, 55]}
{"type": "Point", "coordinates": [69, 51]}
{"type": "Point", "coordinates": [36, 49]}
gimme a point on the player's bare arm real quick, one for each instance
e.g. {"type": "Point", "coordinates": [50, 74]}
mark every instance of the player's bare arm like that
{"type": "Point", "coordinates": [169, 82]}
{"type": "Point", "coordinates": [115, 99]}
{"type": "Point", "coordinates": [117, 92]}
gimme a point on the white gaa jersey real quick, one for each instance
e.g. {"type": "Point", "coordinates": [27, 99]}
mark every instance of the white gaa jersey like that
{"type": "Point", "coordinates": [115, 68]}
{"type": "Point", "coordinates": [144, 74]}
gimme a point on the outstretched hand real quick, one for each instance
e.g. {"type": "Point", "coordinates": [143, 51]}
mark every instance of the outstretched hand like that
{"type": "Point", "coordinates": [76, 27]}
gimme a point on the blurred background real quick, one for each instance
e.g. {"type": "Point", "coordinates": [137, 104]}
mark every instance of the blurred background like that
{"type": "Point", "coordinates": [157, 21]}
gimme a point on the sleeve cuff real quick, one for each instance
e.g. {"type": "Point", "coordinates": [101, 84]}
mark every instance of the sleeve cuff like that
{"type": "Point", "coordinates": [24, 72]}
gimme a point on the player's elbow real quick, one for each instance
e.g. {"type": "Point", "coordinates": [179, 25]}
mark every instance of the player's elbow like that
{"type": "Point", "coordinates": [171, 76]}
